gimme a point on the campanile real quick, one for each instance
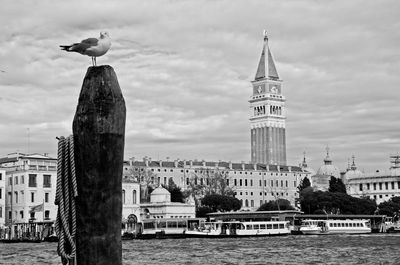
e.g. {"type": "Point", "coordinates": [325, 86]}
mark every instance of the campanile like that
{"type": "Point", "coordinates": [267, 112]}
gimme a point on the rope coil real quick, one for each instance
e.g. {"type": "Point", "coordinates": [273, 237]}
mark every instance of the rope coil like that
{"type": "Point", "coordinates": [66, 193]}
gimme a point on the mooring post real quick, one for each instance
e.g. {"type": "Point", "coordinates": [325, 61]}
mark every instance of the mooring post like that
{"type": "Point", "coordinates": [99, 133]}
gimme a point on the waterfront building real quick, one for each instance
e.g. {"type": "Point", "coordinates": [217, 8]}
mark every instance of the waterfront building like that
{"type": "Point", "coordinates": [320, 181]}
{"type": "Point", "coordinates": [30, 187]}
{"type": "Point", "coordinates": [253, 183]}
{"type": "Point", "coordinates": [267, 112]}
{"type": "Point", "coordinates": [159, 206]}
{"type": "Point", "coordinates": [2, 198]}
{"type": "Point", "coordinates": [379, 185]}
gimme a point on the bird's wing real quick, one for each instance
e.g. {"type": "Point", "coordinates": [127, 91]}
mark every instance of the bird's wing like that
{"type": "Point", "coordinates": [83, 45]}
{"type": "Point", "coordinates": [91, 41]}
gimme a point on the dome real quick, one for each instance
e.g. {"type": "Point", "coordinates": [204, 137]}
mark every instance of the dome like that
{"type": "Point", "coordinates": [352, 172]}
{"type": "Point", "coordinates": [160, 194]}
{"type": "Point", "coordinates": [329, 170]}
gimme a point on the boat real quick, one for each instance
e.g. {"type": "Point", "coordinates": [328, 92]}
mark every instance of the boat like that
{"type": "Point", "coordinates": [239, 229]}
{"type": "Point", "coordinates": [348, 226]}
{"type": "Point", "coordinates": [392, 225]}
{"type": "Point", "coordinates": [166, 227]}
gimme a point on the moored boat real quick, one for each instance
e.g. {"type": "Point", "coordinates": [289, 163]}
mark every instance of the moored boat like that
{"type": "Point", "coordinates": [239, 229]}
{"type": "Point", "coordinates": [317, 227]}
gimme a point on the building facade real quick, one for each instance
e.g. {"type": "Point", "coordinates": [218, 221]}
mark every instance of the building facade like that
{"type": "Point", "coordinates": [253, 183]}
{"type": "Point", "coordinates": [267, 113]}
{"type": "Point", "coordinates": [379, 186]}
{"type": "Point", "coordinates": [30, 187]}
{"type": "Point", "coordinates": [2, 198]}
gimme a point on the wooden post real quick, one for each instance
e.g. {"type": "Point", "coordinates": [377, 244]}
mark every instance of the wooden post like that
{"type": "Point", "coordinates": [99, 134]}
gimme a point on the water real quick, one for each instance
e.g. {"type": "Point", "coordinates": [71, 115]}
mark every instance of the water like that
{"type": "Point", "coordinates": [332, 249]}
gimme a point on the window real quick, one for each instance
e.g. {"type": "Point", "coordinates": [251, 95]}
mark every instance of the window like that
{"type": "Point", "coordinates": [294, 183]}
{"type": "Point", "coordinates": [272, 183]}
{"type": "Point", "coordinates": [46, 197]}
{"type": "Point", "coordinates": [252, 203]}
{"type": "Point", "coordinates": [32, 180]}
{"type": "Point", "coordinates": [1, 211]}
{"type": "Point", "coordinates": [235, 182]}
{"type": "Point", "coordinates": [123, 196]}
{"type": "Point", "coordinates": [1, 193]}
{"type": "Point", "coordinates": [32, 197]}
{"type": "Point", "coordinates": [374, 186]}
{"type": "Point", "coordinates": [367, 186]}
{"type": "Point", "coordinates": [134, 197]}
{"type": "Point", "coordinates": [393, 185]}
{"type": "Point", "coordinates": [361, 187]}
{"type": "Point", "coordinates": [380, 185]}
{"type": "Point", "coordinates": [47, 215]}
{"type": "Point", "coordinates": [251, 182]}
{"type": "Point", "coordinates": [16, 180]}
{"type": "Point", "coordinates": [10, 181]}
{"type": "Point", "coordinates": [16, 196]}
{"type": "Point", "coordinates": [247, 203]}
{"type": "Point", "coordinates": [46, 181]}
{"type": "Point", "coordinates": [245, 182]}
{"type": "Point", "coordinates": [1, 176]}
{"type": "Point", "coordinates": [32, 215]}
{"type": "Point", "coordinates": [260, 183]}
{"type": "Point", "coordinates": [21, 213]}
{"type": "Point", "coordinates": [22, 179]}
{"type": "Point", "coordinates": [240, 182]}
{"type": "Point", "coordinates": [286, 183]}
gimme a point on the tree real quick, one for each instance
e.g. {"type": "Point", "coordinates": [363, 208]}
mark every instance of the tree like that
{"type": "Point", "coordinates": [175, 191]}
{"type": "Point", "coordinates": [280, 204]}
{"type": "Point", "coordinates": [305, 183]}
{"type": "Point", "coordinates": [335, 203]}
{"type": "Point", "coordinates": [221, 203]}
{"type": "Point", "coordinates": [336, 185]}
{"type": "Point", "coordinates": [390, 207]}
{"type": "Point", "coordinates": [207, 182]}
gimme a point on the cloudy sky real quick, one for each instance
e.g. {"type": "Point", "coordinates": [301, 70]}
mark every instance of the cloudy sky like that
{"type": "Point", "coordinates": [185, 69]}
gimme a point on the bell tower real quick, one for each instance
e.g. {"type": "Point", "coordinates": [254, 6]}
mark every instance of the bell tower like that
{"type": "Point", "coordinates": [267, 112]}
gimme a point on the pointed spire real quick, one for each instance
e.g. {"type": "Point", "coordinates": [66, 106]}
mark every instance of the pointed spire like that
{"type": "Point", "coordinates": [353, 166]}
{"type": "Point", "coordinates": [327, 160]}
{"type": "Point", "coordinates": [304, 164]}
{"type": "Point", "coordinates": [266, 66]}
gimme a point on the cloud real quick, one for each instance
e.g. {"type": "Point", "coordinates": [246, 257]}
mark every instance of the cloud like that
{"type": "Point", "coordinates": [185, 69]}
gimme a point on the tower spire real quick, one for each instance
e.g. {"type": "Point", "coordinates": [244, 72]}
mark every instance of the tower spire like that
{"type": "Point", "coordinates": [266, 66]}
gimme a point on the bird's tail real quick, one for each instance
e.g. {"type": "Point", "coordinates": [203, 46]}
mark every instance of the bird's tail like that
{"type": "Point", "coordinates": [65, 47]}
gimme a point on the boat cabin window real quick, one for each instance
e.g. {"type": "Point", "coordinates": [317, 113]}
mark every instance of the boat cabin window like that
{"type": "Point", "coordinates": [256, 227]}
{"type": "Point", "coordinates": [269, 226]}
{"type": "Point", "coordinates": [181, 224]}
{"type": "Point", "coordinates": [162, 224]}
{"type": "Point", "coordinates": [148, 225]}
{"type": "Point", "coordinates": [172, 224]}
{"type": "Point", "coordinates": [275, 226]}
{"type": "Point", "coordinates": [262, 226]}
{"type": "Point", "coordinates": [281, 226]}
{"type": "Point", "coordinates": [249, 227]}
{"type": "Point", "coordinates": [347, 224]}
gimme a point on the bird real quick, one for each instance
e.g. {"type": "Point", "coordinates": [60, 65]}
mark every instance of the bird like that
{"type": "Point", "coordinates": [93, 47]}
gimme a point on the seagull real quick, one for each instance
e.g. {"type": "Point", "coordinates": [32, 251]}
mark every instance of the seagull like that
{"type": "Point", "coordinates": [93, 47]}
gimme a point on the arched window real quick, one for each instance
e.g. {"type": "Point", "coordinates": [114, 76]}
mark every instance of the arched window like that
{"type": "Point", "coordinates": [134, 197]}
{"type": "Point", "coordinates": [123, 196]}
{"type": "Point", "coordinates": [247, 203]}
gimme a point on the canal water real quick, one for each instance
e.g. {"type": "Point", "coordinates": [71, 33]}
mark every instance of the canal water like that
{"type": "Point", "coordinates": [331, 249]}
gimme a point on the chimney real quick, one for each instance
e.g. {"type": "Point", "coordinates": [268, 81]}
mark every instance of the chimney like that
{"type": "Point", "coordinates": [230, 164]}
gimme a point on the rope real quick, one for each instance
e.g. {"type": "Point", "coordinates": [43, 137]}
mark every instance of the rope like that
{"type": "Point", "coordinates": [66, 193]}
